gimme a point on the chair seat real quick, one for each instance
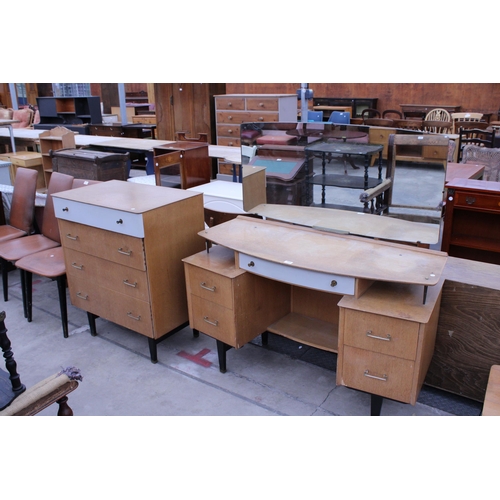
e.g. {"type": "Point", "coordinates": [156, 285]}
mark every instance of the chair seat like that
{"type": "Point", "coordinates": [14, 250]}
{"type": "Point", "coordinates": [49, 263]}
{"type": "Point", "coordinates": [9, 233]}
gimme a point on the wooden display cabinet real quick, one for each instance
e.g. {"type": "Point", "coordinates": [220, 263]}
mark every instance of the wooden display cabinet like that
{"type": "Point", "coordinates": [472, 220]}
{"type": "Point", "coordinates": [53, 140]}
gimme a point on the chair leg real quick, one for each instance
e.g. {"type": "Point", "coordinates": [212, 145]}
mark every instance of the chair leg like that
{"type": "Point", "coordinates": [61, 288]}
{"type": "Point", "coordinates": [5, 278]}
{"type": "Point", "coordinates": [28, 294]}
{"type": "Point", "coordinates": [23, 289]}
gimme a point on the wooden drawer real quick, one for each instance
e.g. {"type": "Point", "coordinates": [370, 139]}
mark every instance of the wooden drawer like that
{"type": "Point", "coordinates": [213, 320]}
{"type": "Point", "coordinates": [96, 271]}
{"type": "Point", "coordinates": [237, 117]}
{"type": "Point", "coordinates": [379, 374]}
{"type": "Point", "coordinates": [264, 104]}
{"type": "Point", "coordinates": [119, 248]}
{"type": "Point", "coordinates": [438, 153]}
{"type": "Point", "coordinates": [117, 221]}
{"type": "Point", "coordinates": [476, 200]}
{"type": "Point", "coordinates": [373, 332]}
{"type": "Point", "coordinates": [230, 103]}
{"type": "Point", "coordinates": [210, 286]}
{"type": "Point", "coordinates": [265, 117]}
{"type": "Point", "coordinates": [229, 141]}
{"type": "Point", "coordinates": [114, 306]}
{"type": "Point", "coordinates": [228, 130]}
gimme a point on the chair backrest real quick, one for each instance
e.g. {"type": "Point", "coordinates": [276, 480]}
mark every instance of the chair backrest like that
{"type": "Point", "coordinates": [438, 114]}
{"type": "Point", "coordinates": [58, 182]}
{"type": "Point", "coordinates": [475, 136]}
{"type": "Point", "coordinates": [370, 113]}
{"type": "Point", "coordinates": [489, 157]}
{"type": "Point", "coordinates": [392, 112]}
{"type": "Point", "coordinates": [23, 199]}
{"type": "Point", "coordinates": [437, 126]}
{"type": "Point", "coordinates": [457, 118]}
{"type": "Point", "coordinates": [315, 116]}
{"type": "Point", "coordinates": [409, 124]}
{"type": "Point", "coordinates": [342, 117]}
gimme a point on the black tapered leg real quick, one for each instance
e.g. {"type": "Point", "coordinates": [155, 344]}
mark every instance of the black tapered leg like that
{"type": "Point", "coordinates": [27, 294]}
{"type": "Point", "coordinates": [153, 351]}
{"type": "Point", "coordinates": [23, 289]}
{"type": "Point", "coordinates": [376, 405]}
{"type": "Point", "coordinates": [5, 279]}
{"type": "Point", "coordinates": [222, 348]}
{"type": "Point", "coordinates": [196, 333]}
{"type": "Point", "coordinates": [61, 288]}
{"type": "Point", "coordinates": [265, 338]}
{"type": "Point", "coordinates": [91, 318]}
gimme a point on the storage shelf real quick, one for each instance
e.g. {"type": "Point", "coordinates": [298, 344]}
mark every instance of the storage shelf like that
{"type": "Point", "coordinates": [468, 241]}
{"type": "Point", "coordinates": [306, 330]}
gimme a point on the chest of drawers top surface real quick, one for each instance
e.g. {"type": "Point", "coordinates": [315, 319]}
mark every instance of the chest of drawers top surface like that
{"type": "Point", "coordinates": [125, 196]}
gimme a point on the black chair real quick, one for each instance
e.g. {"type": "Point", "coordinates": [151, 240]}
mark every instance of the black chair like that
{"type": "Point", "coordinates": [475, 136]}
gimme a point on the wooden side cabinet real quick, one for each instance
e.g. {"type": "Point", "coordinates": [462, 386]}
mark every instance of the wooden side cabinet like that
{"type": "Point", "coordinates": [386, 339]}
{"type": "Point", "coordinates": [123, 248]}
{"type": "Point", "coordinates": [472, 220]}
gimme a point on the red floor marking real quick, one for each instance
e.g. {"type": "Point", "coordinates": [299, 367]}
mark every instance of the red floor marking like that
{"type": "Point", "coordinates": [197, 358]}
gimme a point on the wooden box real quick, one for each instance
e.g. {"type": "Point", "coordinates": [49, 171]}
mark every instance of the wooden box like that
{"type": "Point", "coordinates": [89, 164]}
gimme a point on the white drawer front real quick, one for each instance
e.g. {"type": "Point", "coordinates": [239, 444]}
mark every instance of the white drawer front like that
{"type": "Point", "coordinates": [295, 276]}
{"type": "Point", "coordinates": [101, 217]}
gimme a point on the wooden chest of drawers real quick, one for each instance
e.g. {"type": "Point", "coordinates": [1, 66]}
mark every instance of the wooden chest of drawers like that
{"type": "Point", "coordinates": [231, 110]}
{"type": "Point", "coordinates": [123, 247]}
{"type": "Point", "coordinates": [386, 339]}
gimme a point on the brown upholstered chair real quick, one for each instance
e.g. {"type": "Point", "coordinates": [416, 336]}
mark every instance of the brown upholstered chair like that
{"type": "Point", "coordinates": [13, 250]}
{"type": "Point", "coordinates": [16, 400]}
{"type": "Point", "coordinates": [49, 264]}
{"type": "Point", "coordinates": [22, 209]}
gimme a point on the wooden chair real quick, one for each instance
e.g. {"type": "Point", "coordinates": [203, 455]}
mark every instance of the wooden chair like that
{"type": "Point", "coordinates": [49, 264]}
{"type": "Point", "coordinates": [16, 400]}
{"type": "Point", "coordinates": [489, 157]}
{"type": "Point", "coordinates": [370, 113]}
{"type": "Point", "coordinates": [13, 250]}
{"type": "Point", "coordinates": [458, 118]}
{"type": "Point", "coordinates": [409, 124]}
{"type": "Point", "coordinates": [475, 136]}
{"type": "Point", "coordinates": [437, 126]}
{"type": "Point", "coordinates": [438, 114]}
{"type": "Point", "coordinates": [22, 210]}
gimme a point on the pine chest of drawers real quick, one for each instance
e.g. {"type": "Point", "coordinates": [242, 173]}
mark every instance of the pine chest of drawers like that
{"type": "Point", "coordinates": [123, 247]}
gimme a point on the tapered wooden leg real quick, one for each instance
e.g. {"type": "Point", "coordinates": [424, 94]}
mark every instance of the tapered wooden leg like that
{"type": "Point", "coordinates": [64, 409]}
{"type": "Point", "coordinates": [61, 288]}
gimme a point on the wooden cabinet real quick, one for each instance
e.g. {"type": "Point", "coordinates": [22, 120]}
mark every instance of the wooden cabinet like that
{"type": "Point", "coordinates": [123, 247]}
{"type": "Point", "coordinates": [265, 279]}
{"type": "Point", "coordinates": [357, 105]}
{"type": "Point", "coordinates": [472, 220]}
{"type": "Point", "coordinates": [53, 140]}
{"type": "Point", "coordinates": [234, 109]}
{"type": "Point", "coordinates": [386, 339]}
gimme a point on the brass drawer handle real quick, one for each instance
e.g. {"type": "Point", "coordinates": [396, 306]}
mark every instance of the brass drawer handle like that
{"type": "Point", "coordinates": [470, 200]}
{"type": "Point", "coordinates": [214, 323]}
{"type": "Point", "coordinates": [76, 266]}
{"type": "Point", "coordinates": [130, 315]}
{"type": "Point", "coordinates": [383, 378]}
{"type": "Point", "coordinates": [387, 338]}
{"type": "Point", "coordinates": [74, 238]}
{"type": "Point", "coordinates": [81, 296]}
{"type": "Point", "coordinates": [127, 282]}
{"type": "Point", "coordinates": [125, 252]}
{"type": "Point", "coordinates": [209, 288]}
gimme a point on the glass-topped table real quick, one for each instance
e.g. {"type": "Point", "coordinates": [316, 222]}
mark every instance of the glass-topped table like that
{"type": "Point", "coordinates": [326, 149]}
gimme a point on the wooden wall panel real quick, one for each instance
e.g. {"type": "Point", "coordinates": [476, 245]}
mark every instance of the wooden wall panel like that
{"type": "Point", "coordinates": [479, 97]}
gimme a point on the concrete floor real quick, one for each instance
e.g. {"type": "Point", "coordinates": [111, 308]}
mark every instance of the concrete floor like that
{"type": "Point", "coordinates": [119, 378]}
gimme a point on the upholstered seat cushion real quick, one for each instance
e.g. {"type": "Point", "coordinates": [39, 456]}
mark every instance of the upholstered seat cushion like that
{"type": "Point", "coordinates": [25, 117]}
{"type": "Point", "coordinates": [14, 250]}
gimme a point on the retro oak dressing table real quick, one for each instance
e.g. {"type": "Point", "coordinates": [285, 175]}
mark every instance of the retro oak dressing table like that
{"type": "Point", "coordinates": [374, 303]}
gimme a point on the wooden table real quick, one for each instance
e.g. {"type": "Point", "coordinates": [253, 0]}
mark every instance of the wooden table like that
{"type": "Point", "coordinates": [463, 171]}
